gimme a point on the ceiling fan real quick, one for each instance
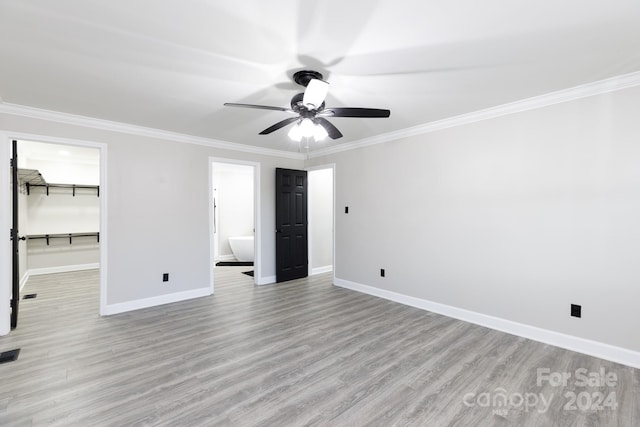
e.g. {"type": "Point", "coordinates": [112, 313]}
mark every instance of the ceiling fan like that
{"type": "Point", "coordinates": [310, 112]}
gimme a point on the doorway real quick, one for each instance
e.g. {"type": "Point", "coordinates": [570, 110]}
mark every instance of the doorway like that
{"type": "Point", "coordinates": [61, 201]}
{"type": "Point", "coordinates": [304, 222]}
{"type": "Point", "coordinates": [321, 218]}
{"type": "Point", "coordinates": [292, 232]}
{"type": "Point", "coordinates": [234, 222]}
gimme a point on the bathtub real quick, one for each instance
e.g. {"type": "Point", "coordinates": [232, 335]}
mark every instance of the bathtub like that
{"type": "Point", "coordinates": [242, 248]}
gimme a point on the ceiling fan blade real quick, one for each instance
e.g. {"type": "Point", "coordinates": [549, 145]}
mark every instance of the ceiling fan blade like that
{"type": "Point", "coordinates": [356, 112]}
{"type": "Point", "coordinates": [315, 93]}
{"type": "Point", "coordinates": [333, 131]}
{"type": "Point", "coordinates": [260, 107]}
{"type": "Point", "coordinates": [279, 125]}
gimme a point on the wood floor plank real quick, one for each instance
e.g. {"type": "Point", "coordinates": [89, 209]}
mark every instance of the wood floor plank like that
{"type": "Point", "coordinates": [297, 353]}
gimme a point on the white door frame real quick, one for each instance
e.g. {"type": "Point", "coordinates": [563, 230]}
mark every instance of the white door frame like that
{"type": "Point", "coordinates": [331, 166]}
{"type": "Point", "coordinates": [257, 263]}
{"type": "Point", "coordinates": [5, 203]}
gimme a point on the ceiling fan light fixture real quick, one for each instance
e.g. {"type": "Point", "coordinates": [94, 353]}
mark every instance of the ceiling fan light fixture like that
{"type": "Point", "coordinates": [315, 93]}
{"type": "Point", "coordinates": [295, 133]}
{"type": "Point", "coordinates": [319, 133]}
{"type": "Point", "coordinates": [307, 128]}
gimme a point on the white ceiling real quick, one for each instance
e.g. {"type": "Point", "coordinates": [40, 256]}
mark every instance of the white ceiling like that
{"type": "Point", "coordinates": [171, 65]}
{"type": "Point", "coordinates": [29, 151]}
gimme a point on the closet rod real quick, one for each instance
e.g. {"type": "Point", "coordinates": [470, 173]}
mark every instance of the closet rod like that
{"type": "Point", "coordinates": [72, 186]}
{"type": "Point", "coordinates": [70, 236]}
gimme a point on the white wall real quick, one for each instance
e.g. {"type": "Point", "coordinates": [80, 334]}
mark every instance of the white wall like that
{"type": "Point", "coordinates": [61, 212]}
{"type": "Point", "coordinates": [320, 201]}
{"type": "Point", "coordinates": [59, 255]}
{"type": "Point", "coordinates": [234, 184]}
{"type": "Point", "coordinates": [158, 213]}
{"type": "Point", "coordinates": [516, 217]}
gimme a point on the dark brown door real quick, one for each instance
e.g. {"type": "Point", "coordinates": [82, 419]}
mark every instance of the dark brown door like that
{"type": "Point", "coordinates": [291, 224]}
{"type": "Point", "coordinates": [15, 242]}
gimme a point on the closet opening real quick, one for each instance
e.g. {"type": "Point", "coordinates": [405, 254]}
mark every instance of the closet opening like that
{"type": "Point", "coordinates": [58, 205]}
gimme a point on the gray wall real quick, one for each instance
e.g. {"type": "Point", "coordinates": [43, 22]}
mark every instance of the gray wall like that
{"type": "Point", "coordinates": [515, 217]}
{"type": "Point", "coordinates": [158, 208]}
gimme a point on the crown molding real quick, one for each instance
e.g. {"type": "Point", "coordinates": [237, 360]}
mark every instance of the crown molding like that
{"type": "Point", "coordinates": [590, 89]}
{"type": "Point", "coordinates": [93, 123]}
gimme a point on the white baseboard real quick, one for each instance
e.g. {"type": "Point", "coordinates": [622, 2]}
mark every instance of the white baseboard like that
{"type": "Point", "coordinates": [569, 342]}
{"type": "Point", "coordinates": [155, 301]}
{"type": "Point", "coordinates": [24, 280]}
{"type": "Point", "coordinates": [320, 270]}
{"type": "Point", "coordinates": [62, 269]}
{"type": "Point", "coordinates": [266, 280]}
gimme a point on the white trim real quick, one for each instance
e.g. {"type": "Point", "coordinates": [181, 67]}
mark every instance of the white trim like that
{"type": "Point", "coordinates": [212, 253]}
{"type": "Point", "coordinates": [320, 270]}
{"type": "Point", "coordinates": [62, 269]}
{"type": "Point", "coordinates": [5, 226]}
{"type": "Point", "coordinates": [90, 122]}
{"type": "Point", "coordinates": [569, 342]}
{"type": "Point", "coordinates": [590, 89]}
{"type": "Point", "coordinates": [104, 235]}
{"type": "Point", "coordinates": [155, 301]}
{"type": "Point", "coordinates": [24, 280]}
{"type": "Point", "coordinates": [267, 280]}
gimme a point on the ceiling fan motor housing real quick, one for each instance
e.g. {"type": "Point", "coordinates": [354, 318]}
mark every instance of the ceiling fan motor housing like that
{"type": "Point", "coordinates": [298, 107]}
{"type": "Point", "coordinates": [303, 77]}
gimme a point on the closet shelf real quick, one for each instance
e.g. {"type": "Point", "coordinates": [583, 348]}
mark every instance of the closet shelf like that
{"type": "Point", "coordinates": [33, 178]}
{"type": "Point", "coordinates": [69, 236]}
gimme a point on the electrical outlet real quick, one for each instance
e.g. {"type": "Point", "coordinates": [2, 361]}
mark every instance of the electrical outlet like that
{"type": "Point", "coordinates": [165, 277]}
{"type": "Point", "coordinates": [576, 310]}
{"type": "Point", "coordinates": [382, 272]}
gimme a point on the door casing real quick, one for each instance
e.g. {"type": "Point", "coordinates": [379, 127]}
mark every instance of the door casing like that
{"type": "Point", "coordinates": [6, 139]}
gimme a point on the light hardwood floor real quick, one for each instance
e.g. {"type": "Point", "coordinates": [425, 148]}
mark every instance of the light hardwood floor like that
{"type": "Point", "coordinates": [298, 353]}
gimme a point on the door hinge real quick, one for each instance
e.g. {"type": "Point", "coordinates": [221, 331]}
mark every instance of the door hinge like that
{"type": "Point", "coordinates": [13, 234]}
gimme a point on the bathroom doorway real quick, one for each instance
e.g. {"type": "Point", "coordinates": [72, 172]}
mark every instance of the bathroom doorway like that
{"type": "Point", "coordinates": [234, 222]}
